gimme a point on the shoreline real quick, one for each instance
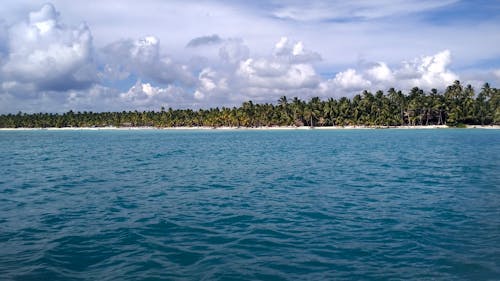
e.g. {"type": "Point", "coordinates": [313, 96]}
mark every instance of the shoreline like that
{"type": "Point", "coordinates": [110, 128]}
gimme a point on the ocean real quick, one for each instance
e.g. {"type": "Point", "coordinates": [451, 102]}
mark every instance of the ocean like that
{"type": "Point", "coordinates": [382, 204]}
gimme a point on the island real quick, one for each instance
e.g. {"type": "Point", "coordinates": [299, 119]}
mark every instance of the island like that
{"type": "Point", "coordinates": [457, 106]}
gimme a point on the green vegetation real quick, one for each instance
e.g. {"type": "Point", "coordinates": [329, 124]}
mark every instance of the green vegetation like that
{"type": "Point", "coordinates": [457, 106]}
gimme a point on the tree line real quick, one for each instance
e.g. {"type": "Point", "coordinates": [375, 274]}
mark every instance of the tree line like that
{"type": "Point", "coordinates": [457, 105]}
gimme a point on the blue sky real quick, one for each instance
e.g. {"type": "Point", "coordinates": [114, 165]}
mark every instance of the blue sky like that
{"type": "Point", "coordinates": [127, 55]}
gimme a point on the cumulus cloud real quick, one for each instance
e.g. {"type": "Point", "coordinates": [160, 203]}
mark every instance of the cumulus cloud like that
{"type": "Point", "coordinates": [239, 76]}
{"type": "Point", "coordinates": [426, 72]}
{"type": "Point", "coordinates": [265, 79]}
{"type": "Point", "coordinates": [48, 65]}
{"type": "Point", "coordinates": [264, 73]}
{"type": "Point", "coordinates": [233, 51]}
{"type": "Point", "coordinates": [142, 57]}
{"type": "Point", "coordinates": [294, 51]}
{"type": "Point", "coordinates": [351, 80]}
{"type": "Point", "coordinates": [209, 80]}
{"type": "Point", "coordinates": [380, 72]}
{"type": "Point", "coordinates": [213, 87]}
{"type": "Point", "coordinates": [345, 83]}
{"type": "Point", "coordinates": [44, 55]}
{"type": "Point", "coordinates": [142, 94]}
{"type": "Point", "coordinates": [290, 68]}
{"type": "Point", "coordinates": [204, 40]}
{"type": "Point", "coordinates": [281, 73]}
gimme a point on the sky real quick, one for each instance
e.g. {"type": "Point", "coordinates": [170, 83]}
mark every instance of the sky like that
{"type": "Point", "coordinates": [119, 55]}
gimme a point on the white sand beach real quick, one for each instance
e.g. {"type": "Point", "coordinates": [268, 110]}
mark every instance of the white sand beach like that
{"type": "Point", "coordinates": [109, 128]}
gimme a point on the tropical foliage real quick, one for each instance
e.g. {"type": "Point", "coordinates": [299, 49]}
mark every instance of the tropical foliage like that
{"type": "Point", "coordinates": [456, 106]}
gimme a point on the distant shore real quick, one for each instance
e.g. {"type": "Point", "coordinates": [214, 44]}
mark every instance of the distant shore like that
{"type": "Point", "coordinates": [248, 128]}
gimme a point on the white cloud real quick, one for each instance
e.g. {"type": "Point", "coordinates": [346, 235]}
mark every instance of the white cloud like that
{"type": "Point", "coordinates": [199, 95]}
{"type": "Point", "coordinates": [265, 79]}
{"type": "Point", "coordinates": [213, 87]}
{"type": "Point", "coordinates": [233, 51]}
{"type": "Point", "coordinates": [143, 58]}
{"type": "Point", "coordinates": [427, 72]}
{"type": "Point", "coordinates": [206, 78]}
{"type": "Point", "coordinates": [340, 10]}
{"type": "Point", "coordinates": [47, 56]}
{"type": "Point", "coordinates": [294, 52]}
{"type": "Point", "coordinates": [140, 96]}
{"type": "Point", "coordinates": [380, 72]}
{"type": "Point", "coordinates": [265, 73]}
{"type": "Point", "coordinates": [290, 68]}
{"type": "Point", "coordinates": [351, 80]}
{"type": "Point", "coordinates": [96, 98]}
{"type": "Point", "coordinates": [45, 19]}
{"type": "Point", "coordinates": [146, 50]}
{"type": "Point", "coordinates": [239, 76]}
{"type": "Point", "coordinates": [145, 96]}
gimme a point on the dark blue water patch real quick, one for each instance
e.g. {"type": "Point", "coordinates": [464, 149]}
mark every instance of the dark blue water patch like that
{"type": "Point", "coordinates": [250, 205]}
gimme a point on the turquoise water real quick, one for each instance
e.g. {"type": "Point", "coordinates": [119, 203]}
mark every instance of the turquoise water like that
{"type": "Point", "coordinates": [250, 205]}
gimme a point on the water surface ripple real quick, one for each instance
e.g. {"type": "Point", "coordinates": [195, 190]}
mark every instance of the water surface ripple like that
{"type": "Point", "coordinates": [250, 205]}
